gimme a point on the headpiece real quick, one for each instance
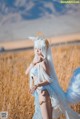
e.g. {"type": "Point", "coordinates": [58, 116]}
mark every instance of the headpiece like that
{"type": "Point", "coordinates": [43, 44]}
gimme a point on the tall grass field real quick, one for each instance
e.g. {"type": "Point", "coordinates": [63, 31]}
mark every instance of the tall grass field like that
{"type": "Point", "coordinates": [14, 84]}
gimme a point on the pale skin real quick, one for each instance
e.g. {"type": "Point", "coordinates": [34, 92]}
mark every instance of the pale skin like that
{"type": "Point", "coordinates": [44, 98]}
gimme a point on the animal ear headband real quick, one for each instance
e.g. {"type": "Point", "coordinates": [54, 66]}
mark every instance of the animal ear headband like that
{"type": "Point", "coordinates": [39, 38]}
{"type": "Point", "coordinates": [33, 38]}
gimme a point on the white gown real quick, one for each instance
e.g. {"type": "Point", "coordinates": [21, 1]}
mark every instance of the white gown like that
{"type": "Point", "coordinates": [60, 100]}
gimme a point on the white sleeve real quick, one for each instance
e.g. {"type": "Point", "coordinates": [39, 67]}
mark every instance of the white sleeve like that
{"type": "Point", "coordinates": [43, 76]}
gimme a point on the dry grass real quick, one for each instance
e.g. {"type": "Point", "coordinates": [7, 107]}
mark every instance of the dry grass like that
{"type": "Point", "coordinates": [14, 84]}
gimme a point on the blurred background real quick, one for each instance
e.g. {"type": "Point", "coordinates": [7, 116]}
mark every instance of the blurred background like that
{"type": "Point", "coordinates": [19, 19]}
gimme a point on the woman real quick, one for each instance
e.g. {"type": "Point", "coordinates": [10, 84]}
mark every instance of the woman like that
{"type": "Point", "coordinates": [50, 99]}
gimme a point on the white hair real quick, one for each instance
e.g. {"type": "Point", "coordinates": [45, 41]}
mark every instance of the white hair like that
{"type": "Point", "coordinates": [47, 53]}
{"type": "Point", "coordinates": [40, 44]}
{"type": "Point", "coordinates": [43, 44]}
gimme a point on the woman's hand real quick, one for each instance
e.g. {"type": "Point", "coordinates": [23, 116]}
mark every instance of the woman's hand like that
{"type": "Point", "coordinates": [38, 59]}
{"type": "Point", "coordinates": [33, 89]}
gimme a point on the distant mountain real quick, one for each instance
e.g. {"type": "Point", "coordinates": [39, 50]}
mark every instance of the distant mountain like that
{"type": "Point", "coordinates": [20, 18]}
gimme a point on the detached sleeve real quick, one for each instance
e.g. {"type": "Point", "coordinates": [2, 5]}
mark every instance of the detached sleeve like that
{"type": "Point", "coordinates": [43, 76]}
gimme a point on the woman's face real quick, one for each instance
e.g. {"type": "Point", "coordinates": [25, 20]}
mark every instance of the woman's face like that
{"type": "Point", "coordinates": [37, 51]}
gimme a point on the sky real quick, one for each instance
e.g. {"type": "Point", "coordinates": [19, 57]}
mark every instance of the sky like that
{"type": "Point", "coordinates": [22, 18]}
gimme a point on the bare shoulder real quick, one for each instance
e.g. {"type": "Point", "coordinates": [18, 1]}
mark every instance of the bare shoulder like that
{"type": "Point", "coordinates": [45, 66]}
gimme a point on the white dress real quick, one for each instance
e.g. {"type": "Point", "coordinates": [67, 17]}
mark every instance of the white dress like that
{"type": "Point", "coordinates": [60, 100]}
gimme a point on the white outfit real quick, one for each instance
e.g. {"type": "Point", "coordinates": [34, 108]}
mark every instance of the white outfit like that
{"type": "Point", "coordinates": [59, 99]}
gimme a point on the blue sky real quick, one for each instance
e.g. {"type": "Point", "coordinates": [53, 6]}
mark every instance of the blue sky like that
{"type": "Point", "coordinates": [18, 16]}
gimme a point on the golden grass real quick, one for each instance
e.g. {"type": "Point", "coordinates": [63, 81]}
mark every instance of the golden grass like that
{"type": "Point", "coordinates": [14, 84]}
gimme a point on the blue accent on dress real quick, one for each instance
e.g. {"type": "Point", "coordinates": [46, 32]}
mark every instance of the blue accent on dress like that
{"type": "Point", "coordinates": [60, 100]}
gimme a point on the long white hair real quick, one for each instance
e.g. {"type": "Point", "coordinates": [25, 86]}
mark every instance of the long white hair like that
{"type": "Point", "coordinates": [45, 47]}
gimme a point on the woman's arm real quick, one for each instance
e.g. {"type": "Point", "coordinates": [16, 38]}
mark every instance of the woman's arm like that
{"type": "Point", "coordinates": [46, 68]}
{"type": "Point", "coordinates": [38, 85]}
{"type": "Point", "coordinates": [34, 62]}
{"type": "Point", "coordinates": [29, 68]}
{"type": "Point", "coordinates": [42, 84]}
